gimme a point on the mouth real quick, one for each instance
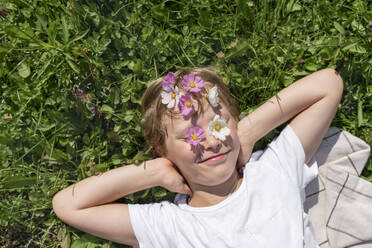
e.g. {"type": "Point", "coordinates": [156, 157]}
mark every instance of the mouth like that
{"type": "Point", "coordinates": [216, 158]}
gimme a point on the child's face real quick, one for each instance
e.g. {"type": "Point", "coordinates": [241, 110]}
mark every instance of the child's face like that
{"type": "Point", "coordinates": [213, 161]}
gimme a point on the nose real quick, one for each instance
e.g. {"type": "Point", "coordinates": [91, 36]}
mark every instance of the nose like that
{"type": "Point", "coordinates": [211, 142]}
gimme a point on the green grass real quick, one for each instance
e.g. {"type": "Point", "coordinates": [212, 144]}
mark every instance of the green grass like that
{"type": "Point", "coordinates": [111, 49]}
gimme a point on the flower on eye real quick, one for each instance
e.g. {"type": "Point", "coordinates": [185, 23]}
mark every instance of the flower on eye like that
{"type": "Point", "coordinates": [218, 128]}
{"type": "Point", "coordinates": [170, 97]}
{"type": "Point", "coordinates": [168, 81]}
{"type": "Point", "coordinates": [195, 135]}
{"type": "Point", "coordinates": [212, 96]}
{"type": "Point", "coordinates": [192, 84]}
{"type": "Point", "coordinates": [185, 105]}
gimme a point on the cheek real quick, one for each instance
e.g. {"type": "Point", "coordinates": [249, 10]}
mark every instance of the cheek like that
{"type": "Point", "coordinates": [180, 152]}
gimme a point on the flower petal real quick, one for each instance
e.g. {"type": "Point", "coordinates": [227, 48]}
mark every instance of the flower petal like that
{"type": "Point", "coordinates": [213, 96]}
{"type": "Point", "coordinates": [195, 131]}
{"type": "Point", "coordinates": [191, 77]}
{"type": "Point", "coordinates": [220, 133]}
{"type": "Point", "coordinates": [169, 80]}
{"type": "Point", "coordinates": [198, 79]}
{"type": "Point", "coordinates": [171, 103]}
{"type": "Point", "coordinates": [165, 97]}
{"type": "Point", "coordinates": [189, 133]}
{"type": "Point", "coordinates": [196, 89]}
{"type": "Point", "coordinates": [185, 110]}
{"type": "Point", "coordinates": [198, 131]}
{"type": "Point", "coordinates": [225, 131]}
{"type": "Point", "coordinates": [220, 136]}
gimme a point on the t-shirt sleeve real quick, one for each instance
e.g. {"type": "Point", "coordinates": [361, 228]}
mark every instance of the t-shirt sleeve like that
{"type": "Point", "coordinates": [287, 152]}
{"type": "Point", "coordinates": [152, 224]}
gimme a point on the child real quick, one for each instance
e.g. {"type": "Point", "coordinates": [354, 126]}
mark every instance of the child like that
{"type": "Point", "coordinates": [192, 123]}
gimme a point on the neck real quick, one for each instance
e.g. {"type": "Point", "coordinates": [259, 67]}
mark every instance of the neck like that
{"type": "Point", "coordinates": [204, 196]}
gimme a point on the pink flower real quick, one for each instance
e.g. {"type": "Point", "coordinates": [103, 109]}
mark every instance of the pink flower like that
{"type": "Point", "coordinates": [192, 84]}
{"type": "Point", "coordinates": [185, 105]}
{"type": "Point", "coordinates": [169, 80]}
{"type": "Point", "coordinates": [195, 135]}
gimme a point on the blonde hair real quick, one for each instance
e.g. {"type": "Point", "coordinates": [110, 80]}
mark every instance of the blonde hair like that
{"type": "Point", "coordinates": [153, 109]}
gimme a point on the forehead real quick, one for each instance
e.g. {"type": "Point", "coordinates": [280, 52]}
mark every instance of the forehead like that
{"type": "Point", "coordinates": [177, 124]}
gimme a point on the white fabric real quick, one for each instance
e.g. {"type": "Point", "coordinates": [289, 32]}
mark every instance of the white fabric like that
{"type": "Point", "coordinates": [266, 210]}
{"type": "Point", "coordinates": [339, 202]}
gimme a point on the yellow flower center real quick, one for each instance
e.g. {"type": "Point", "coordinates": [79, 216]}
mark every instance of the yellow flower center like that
{"type": "Point", "coordinates": [173, 95]}
{"type": "Point", "coordinates": [188, 104]}
{"type": "Point", "coordinates": [192, 84]}
{"type": "Point", "coordinates": [217, 127]}
{"type": "Point", "coordinates": [194, 137]}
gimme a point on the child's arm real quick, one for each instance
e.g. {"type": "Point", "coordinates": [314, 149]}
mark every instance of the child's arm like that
{"type": "Point", "coordinates": [310, 102]}
{"type": "Point", "coordinates": [88, 205]}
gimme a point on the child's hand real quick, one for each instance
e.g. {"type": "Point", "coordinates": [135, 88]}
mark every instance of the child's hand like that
{"type": "Point", "coordinates": [170, 178]}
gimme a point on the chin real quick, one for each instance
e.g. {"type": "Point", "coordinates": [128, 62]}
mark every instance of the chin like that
{"type": "Point", "coordinates": [221, 172]}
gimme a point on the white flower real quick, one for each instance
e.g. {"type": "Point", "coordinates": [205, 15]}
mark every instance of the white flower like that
{"type": "Point", "coordinates": [218, 128]}
{"type": "Point", "coordinates": [170, 96]}
{"type": "Point", "coordinates": [213, 96]}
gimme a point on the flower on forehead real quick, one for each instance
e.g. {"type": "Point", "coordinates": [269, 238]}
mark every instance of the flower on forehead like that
{"type": "Point", "coordinates": [170, 97]}
{"type": "Point", "coordinates": [192, 84]}
{"type": "Point", "coordinates": [212, 96]}
{"type": "Point", "coordinates": [195, 135]}
{"type": "Point", "coordinates": [168, 81]}
{"type": "Point", "coordinates": [185, 105]}
{"type": "Point", "coordinates": [218, 128]}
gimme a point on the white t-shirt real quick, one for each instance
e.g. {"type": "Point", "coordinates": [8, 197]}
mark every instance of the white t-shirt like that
{"type": "Point", "coordinates": [265, 211]}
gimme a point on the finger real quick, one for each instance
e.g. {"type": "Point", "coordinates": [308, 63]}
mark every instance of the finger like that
{"type": "Point", "coordinates": [184, 189]}
{"type": "Point", "coordinates": [187, 190]}
{"type": "Point", "coordinates": [240, 160]}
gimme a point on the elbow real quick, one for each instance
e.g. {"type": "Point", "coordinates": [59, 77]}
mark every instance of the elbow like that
{"type": "Point", "coordinates": [62, 205]}
{"type": "Point", "coordinates": [57, 204]}
{"type": "Point", "coordinates": [335, 84]}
